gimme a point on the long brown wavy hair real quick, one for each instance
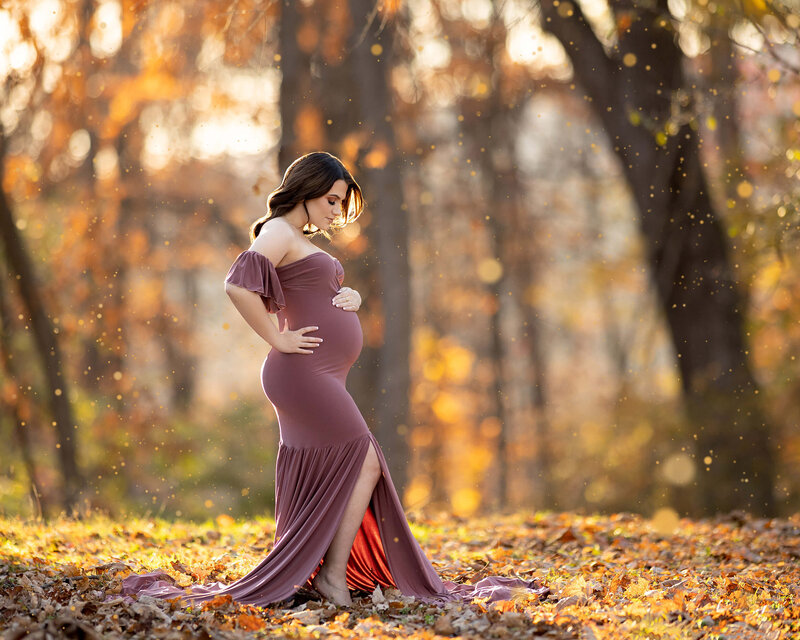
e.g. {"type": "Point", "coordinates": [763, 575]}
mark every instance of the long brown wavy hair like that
{"type": "Point", "coordinates": [311, 176]}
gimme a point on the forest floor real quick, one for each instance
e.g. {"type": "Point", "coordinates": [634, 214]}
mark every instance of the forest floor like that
{"type": "Point", "coordinates": [610, 577]}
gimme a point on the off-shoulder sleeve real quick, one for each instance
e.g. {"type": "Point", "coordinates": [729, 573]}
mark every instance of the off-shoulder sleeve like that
{"type": "Point", "coordinates": [252, 270]}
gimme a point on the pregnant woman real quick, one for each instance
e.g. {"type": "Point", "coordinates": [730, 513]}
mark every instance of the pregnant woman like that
{"type": "Point", "coordinates": [339, 521]}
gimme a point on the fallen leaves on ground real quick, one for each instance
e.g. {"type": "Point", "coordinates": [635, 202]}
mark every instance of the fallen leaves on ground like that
{"type": "Point", "coordinates": [609, 577]}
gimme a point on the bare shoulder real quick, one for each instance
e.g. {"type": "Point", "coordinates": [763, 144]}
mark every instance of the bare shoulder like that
{"type": "Point", "coordinates": [275, 240]}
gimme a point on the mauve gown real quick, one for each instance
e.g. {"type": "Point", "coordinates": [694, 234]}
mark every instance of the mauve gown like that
{"type": "Point", "coordinates": [323, 441]}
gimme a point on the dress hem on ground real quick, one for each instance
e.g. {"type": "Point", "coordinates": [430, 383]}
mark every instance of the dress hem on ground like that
{"type": "Point", "coordinates": [318, 483]}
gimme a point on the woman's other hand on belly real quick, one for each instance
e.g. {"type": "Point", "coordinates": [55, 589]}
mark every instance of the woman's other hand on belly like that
{"type": "Point", "coordinates": [347, 299]}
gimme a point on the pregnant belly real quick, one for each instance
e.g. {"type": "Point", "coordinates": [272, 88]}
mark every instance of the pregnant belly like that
{"type": "Point", "coordinates": [285, 374]}
{"type": "Point", "coordinates": [341, 335]}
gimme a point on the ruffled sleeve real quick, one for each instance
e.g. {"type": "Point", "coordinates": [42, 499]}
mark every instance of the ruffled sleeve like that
{"type": "Point", "coordinates": [252, 270]}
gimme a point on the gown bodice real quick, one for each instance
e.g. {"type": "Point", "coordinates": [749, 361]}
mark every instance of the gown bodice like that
{"type": "Point", "coordinates": [300, 293]}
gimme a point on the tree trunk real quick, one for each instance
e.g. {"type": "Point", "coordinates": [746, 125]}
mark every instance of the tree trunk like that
{"type": "Point", "coordinates": [634, 91]}
{"type": "Point", "coordinates": [381, 175]}
{"type": "Point", "coordinates": [22, 428]}
{"type": "Point", "coordinates": [330, 103]}
{"type": "Point", "coordinates": [47, 346]}
{"type": "Point", "coordinates": [294, 77]}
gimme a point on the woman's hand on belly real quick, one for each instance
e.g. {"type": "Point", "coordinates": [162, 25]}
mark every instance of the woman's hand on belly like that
{"type": "Point", "coordinates": [296, 341]}
{"type": "Point", "coordinates": [347, 299]}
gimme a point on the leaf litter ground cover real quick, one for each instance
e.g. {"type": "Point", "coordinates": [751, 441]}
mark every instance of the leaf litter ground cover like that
{"type": "Point", "coordinates": [609, 577]}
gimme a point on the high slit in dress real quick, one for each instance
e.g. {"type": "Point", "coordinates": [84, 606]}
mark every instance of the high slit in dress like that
{"type": "Point", "coordinates": [323, 442]}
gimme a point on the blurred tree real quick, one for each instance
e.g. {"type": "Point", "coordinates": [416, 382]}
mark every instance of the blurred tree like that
{"type": "Point", "coordinates": [46, 340]}
{"type": "Point", "coordinates": [11, 400]}
{"type": "Point", "coordinates": [492, 117]}
{"type": "Point", "coordinates": [638, 91]}
{"type": "Point", "coordinates": [373, 53]}
{"type": "Point", "coordinates": [489, 104]}
{"type": "Point", "coordinates": [44, 332]}
{"type": "Point", "coordinates": [336, 62]}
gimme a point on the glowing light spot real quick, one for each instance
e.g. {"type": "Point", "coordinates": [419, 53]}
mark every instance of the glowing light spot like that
{"type": "Point", "coordinates": [744, 189]}
{"type": "Point", "coordinates": [224, 520]}
{"type": "Point", "coordinates": [490, 270]}
{"type": "Point", "coordinates": [418, 491]}
{"type": "Point", "coordinates": [447, 407]}
{"type": "Point", "coordinates": [79, 144]}
{"type": "Point", "coordinates": [565, 9]}
{"type": "Point", "coordinates": [378, 157]}
{"type": "Point", "coordinates": [433, 370]}
{"type": "Point", "coordinates": [465, 501]}
{"type": "Point", "coordinates": [665, 521]}
{"type": "Point", "coordinates": [678, 469]}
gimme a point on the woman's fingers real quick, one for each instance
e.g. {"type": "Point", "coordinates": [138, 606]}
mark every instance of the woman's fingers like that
{"type": "Point", "coordinates": [306, 340]}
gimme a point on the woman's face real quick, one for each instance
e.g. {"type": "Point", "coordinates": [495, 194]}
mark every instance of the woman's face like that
{"type": "Point", "coordinates": [323, 210]}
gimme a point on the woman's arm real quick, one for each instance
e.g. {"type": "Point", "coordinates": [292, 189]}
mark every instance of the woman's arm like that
{"type": "Point", "coordinates": [273, 242]}
{"type": "Point", "coordinates": [251, 308]}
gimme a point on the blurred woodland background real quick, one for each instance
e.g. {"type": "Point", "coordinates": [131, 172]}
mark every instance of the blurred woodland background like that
{"type": "Point", "coordinates": [578, 259]}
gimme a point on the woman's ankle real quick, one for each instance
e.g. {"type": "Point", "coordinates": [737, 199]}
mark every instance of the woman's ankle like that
{"type": "Point", "coordinates": [332, 574]}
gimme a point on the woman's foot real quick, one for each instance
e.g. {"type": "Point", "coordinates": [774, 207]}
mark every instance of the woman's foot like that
{"type": "Point", "coordinates": [338, 594]}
